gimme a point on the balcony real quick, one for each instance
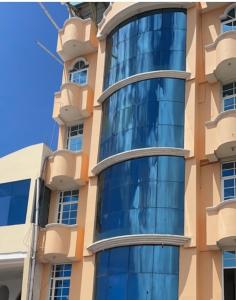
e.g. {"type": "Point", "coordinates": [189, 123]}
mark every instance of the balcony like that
{"type": "Point", "coordinates": [221, 225]}
{"type": "Point", "coordinates": [66, 170]}
{"type": "Point", "coordinates": [220, 58]}
{"type": "Point", "coordinates": [72, 103]}
{"type": "Point", "coordinates": [221, 136]}
{"type": "Point", "coordinates": [77, 38]}
{"type": "Point", "coordinates": [60, 243]}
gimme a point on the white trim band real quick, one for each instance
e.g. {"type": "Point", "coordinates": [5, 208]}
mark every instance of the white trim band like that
{"type": "Point", "coordinates": [142, 76]}
{"type": "Point", "coordinates": [220, 116]}
{"type": "Point", "coordinates": [152, 151]}
{"type": "Point", "coordinates": [221, 205]}
{"type": "Point", "coordinates": [108, 23]}
{"type": "Point", "coordinates": [220, 37]}
{"type": "Point", "coordinates": [51, 225]}
{"type": "Point", "coordinates": [13, 256]}
{"type": "Point", "coordinates": [138, 239]}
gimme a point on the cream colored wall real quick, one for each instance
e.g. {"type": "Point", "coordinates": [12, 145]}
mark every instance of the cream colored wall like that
{"type": "Point", "coordinates": [23, 164]}
{"type": "Point", "coordinates": [210, 275]}
{"type": "Point", "coordinates": [188, 274]}
{"type": "Point", "coordinates": [200, 269]}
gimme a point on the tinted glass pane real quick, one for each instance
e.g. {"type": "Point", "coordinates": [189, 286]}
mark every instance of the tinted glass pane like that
{"type": "Point", "coordinates": [14, 202]}
{"type": "Point", "coordinates": [143, 195]}
{"type": "Point", "coordinates": [152, 41]}
{"type": "Point", "coordinates": [147, 113]}
{"type": "Point", "coordinates": [140, 279]}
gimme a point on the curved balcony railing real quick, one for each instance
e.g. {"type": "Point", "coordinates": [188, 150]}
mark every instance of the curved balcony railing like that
{"type": "Point", "coordinates": [76, 38]}
{"type": "Point", "coordinates": [60, 243]}
{"type": "Point", "coordinates": [67, 170]}
{"type": "Point", "coordinates": [221, 226]}
{"type": "Point", "coordinates": [220, 58]}
{"type": "Point", "coordinates": [72, 103]}
{"type": "Point", "coordinates": [221, 136]}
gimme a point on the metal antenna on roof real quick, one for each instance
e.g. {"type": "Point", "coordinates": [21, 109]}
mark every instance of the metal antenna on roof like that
{"type": "Point", "coordinates": [48, 15]}
{"type": "Point", "coordinates": [49, 52]}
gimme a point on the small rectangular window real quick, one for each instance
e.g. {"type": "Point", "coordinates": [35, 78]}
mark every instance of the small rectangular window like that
{"type": "Point", "coordinates": [229, 96]}
{"type": "Point", "coordinates": [14, 202]}
{"type": "Point", "coordinates": [79, 77]}
{"type": "Point", "coordinates": [68, 207]}
{"type": "Point", "coordinates": [228, 175]}
{"type": "Point", "coordinates": [60, 282]}
{"type": "Point", "coordinates": [75, 137]}
{"type": "Point", "coordinates": [229, 259]}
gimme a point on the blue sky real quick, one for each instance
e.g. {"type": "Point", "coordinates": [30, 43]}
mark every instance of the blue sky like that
{"type": "Point", "coordinates": [28, 75]}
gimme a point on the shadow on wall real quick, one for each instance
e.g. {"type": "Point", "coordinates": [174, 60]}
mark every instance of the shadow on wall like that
{"type": "Point", "coordinates": [4, 292]}
{"type": "Point", "coordinates": [18, 297]}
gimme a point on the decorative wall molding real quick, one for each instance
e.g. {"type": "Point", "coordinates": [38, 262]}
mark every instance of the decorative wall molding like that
{"type": "Point", "coordinates": [219, 38]}
{"type": "Point", "coordinates": [228, 8]}
{"type": "Point", "coordinates": [61, 151]}
{"type": "Point", "coordinates": [101, 23]}
{"type": "Point", "coordinates": [138, 239]}
{"type": "Point", "coordinates": [108, 23]}
{"type": "Point", "coordinates": [142, 76]}
{"type": "Point", "coordinates": [222, 204]}
{"type": "Point", "coordinates": [219, 117]}
{"type": "Point", "coordinates": [74, 19]}
{"type": "Point", "coordinates": [51, 225]}
{"type": "Point", "coordinates": [152, 151]}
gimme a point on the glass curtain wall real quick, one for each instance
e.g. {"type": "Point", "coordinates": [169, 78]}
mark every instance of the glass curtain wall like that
{"type": "Point", "coordinates": [152, 41]}
{"type": "Point", "coordinates": [142, 195]}
{"type": "Point", "coordinates": [138, 273]}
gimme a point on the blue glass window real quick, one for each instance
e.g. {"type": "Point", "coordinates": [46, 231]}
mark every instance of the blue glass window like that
{"type": "Point", "coordinates": [60, 282]}
{"type": "Point", "coordinates": [229, 259]}
{"type": "Point", "coordinates": [14, 202]}
{"type": "Point", "coordinates": [142, 195]}
{"type": "Point", "coordinates": [152, 41]}
{"type": "Point", "coordinates": [229, 23]}
{"type": "Point", "coordinates": [148, 113]}
{"type": "Point", "coordinates": [68, 206]}
{"type": "Point", "coordinates": [229, 96]}
{"type": "Point", "coordinates": [75, 137]}
{"type": "Point", "coordinates": [229, 180]}
{"type": "Point", "coordinates": [79, 73]}
{"type": "Point", "coordinates": [137, 272]}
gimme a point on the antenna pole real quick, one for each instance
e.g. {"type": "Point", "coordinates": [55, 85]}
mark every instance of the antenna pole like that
{"type": "Point", "coordinates": [48, 15]}
{"type": "Point", "coordinates": [49, 52]}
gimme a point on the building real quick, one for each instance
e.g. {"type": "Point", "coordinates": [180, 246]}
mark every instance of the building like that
{"type": "Point", "coordinates": [19, 188]}
{"type": "Point", "coordinates": [143, 185]}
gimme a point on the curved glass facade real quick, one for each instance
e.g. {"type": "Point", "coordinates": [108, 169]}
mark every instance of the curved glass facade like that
{"type": "Point", "coordinates": [148, 113]}
{"type": "Point", "coordinates": [138, 272]}
{"type": "Point", "coordinates": [152, 41]}
{"type": "Point", "coordinates": [141, 196]}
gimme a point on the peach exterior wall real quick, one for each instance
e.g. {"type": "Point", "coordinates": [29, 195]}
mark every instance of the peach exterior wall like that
{"type": "Point", "coordinates": [200, 268]}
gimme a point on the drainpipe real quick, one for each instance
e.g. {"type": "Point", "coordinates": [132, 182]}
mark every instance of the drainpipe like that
{"type": "Point", "coordinates": [35, 234]}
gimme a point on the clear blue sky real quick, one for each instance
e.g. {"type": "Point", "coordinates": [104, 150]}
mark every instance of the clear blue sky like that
{"type": "Point", "coordinates": [28, 76]}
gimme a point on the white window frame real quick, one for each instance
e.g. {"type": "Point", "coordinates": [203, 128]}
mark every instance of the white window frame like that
{"type": "Point", "coordinates": [227, 16]}
{"type": "Point", "coordinates": [54, 279]}
{"type": "Point", "coordinates": [224, 178]}
{"type": "Point", "coordinates": [69, 137]}
{"type": "Point", "coordinates": [79, 71]}
{"type": "Point", "coordinates": [228, 96]}
{"type": "Point", "coordinates": [60, 206]}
